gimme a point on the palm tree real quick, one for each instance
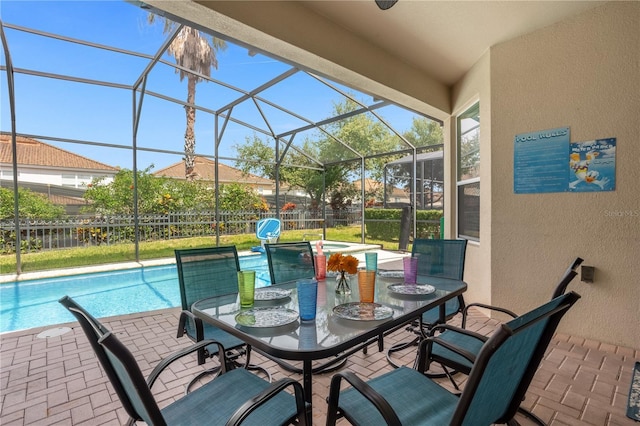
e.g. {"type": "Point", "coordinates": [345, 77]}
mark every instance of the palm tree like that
{"type": "Point", "coordinates": [194, 51]}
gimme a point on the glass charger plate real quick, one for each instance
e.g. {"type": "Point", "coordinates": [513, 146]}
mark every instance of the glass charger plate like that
{"type": "Point", "coordinates": [266, 317]}
{"type": "Point", "coordinates": [363, 311]}
{"type": "Point", "coordinates": [266, 293]}
{"type": "Point", "coordinates": [417, 289]}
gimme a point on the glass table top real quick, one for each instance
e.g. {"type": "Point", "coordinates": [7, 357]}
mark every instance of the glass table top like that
{"type": "Point", "coordinates": [329, 332]}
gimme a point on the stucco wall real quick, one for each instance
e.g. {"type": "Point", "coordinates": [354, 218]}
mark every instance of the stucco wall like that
{"type": "Point", "coordinates": [583, 73]}
{"type": "Point", "coordinates": [474, 87]}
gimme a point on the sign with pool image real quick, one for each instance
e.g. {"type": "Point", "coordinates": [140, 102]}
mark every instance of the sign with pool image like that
{"type": "Point", "coordinates": [546, 161]}
{"type": "Point", "coordinates": [592, 165]}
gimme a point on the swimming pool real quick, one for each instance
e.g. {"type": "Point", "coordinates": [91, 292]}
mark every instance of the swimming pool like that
{"type": "Point", "coordinates": [34, 303]}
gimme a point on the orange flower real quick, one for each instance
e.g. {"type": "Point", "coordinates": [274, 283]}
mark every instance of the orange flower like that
{"type": "Point", "coordinates": [337, 262]}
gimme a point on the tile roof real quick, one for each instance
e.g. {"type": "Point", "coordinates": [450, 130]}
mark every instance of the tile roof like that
{"type": "Point", "coordinates": [204, 169]}
{"type": "Point", "coordinates": [32, 152]}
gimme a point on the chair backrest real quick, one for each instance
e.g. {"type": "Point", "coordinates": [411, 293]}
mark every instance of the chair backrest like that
{"type": "Point", "coordinates": [94, 331]}
{"type": "Point", "coordinates": [290, 261]}
{"type": "Point", "coordinates": [569, 274]}
{"type": "Point", "coordinates": [268, 228]}
{"type": "Point", "coordinates": [507, 363]}
{"type": "Point", "coordinates": [130, 378]}
{"type": "Point", "coordinates": [206, 272]}
{"type": "Point", "coordinates": [440, 258]}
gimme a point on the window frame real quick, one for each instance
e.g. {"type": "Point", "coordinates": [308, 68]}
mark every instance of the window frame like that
{"type": "Point", "coordinates": [463, 231]}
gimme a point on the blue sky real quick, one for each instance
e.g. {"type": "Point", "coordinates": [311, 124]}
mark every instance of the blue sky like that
{"type": "Point", "coordinates": [72, 110]}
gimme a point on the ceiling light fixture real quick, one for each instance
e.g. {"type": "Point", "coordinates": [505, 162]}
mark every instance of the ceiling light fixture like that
{"type": "Point", "coordinates": [385, 4]}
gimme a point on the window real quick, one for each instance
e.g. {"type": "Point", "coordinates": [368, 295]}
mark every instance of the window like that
{"type": "Point", "coordinates": [468, 182]}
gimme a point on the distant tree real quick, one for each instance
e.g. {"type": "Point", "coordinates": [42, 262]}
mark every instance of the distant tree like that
{"type": "Point", "coordinates": [195, 51]}
{"type": "Point", "coordinates": [155, 194]}
{"type": "Point", "coordinates": [31, 205]}
{"type": "Point", "coordinates": [238, 197]}
{"type": "Point", "coordinates": [296, 171]}
{"type": "Point", "coordinates": [424, 132]}
{"type": "Point", "coordinates": [359, 133]}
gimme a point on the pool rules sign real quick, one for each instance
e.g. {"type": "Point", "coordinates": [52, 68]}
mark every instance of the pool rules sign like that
{"type": "Point", "coordinates": [546, 161]}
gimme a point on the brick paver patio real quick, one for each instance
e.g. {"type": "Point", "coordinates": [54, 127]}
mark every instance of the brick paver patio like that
{"type": "Point", "coordinates": [57, 380]}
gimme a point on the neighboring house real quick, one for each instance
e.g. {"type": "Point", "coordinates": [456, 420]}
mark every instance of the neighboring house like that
{"type": "Point", "coordinates": [205, 170]}
{"type": "Point", "coordinates": [397, 195]}
{"type": "Point", "coordinates": [44, 168]}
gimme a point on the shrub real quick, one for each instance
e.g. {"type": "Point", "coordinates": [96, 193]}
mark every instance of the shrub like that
{"type": "Point", "coordinates": [384, 224]}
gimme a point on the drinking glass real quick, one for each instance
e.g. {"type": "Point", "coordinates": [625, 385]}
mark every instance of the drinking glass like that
{"type": "Point", "coordinates": [410, 266]}
{"type": "Point", "coordinates": [371, 260]}
{"type": "Point", "coordinates": [367, 285]}
{"type": "Point", "coordinates": [246, 287]}
{"type": "Point", "coordinates": [307, 296]}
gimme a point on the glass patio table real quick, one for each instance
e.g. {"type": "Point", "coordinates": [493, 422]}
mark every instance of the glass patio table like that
{"type": "Point", "coordinates": [341, 328]}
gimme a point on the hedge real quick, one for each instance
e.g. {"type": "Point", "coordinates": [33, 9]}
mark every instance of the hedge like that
{"type": "Point", "coordinates": [384, 224]}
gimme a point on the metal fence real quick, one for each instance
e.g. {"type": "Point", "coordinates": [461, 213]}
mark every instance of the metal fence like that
{"type": "Point", "coordinates": [81, 231]}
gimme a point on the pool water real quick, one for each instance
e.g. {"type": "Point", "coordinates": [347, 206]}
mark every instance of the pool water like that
{"type": "Point", "coordinates": [34, 303]}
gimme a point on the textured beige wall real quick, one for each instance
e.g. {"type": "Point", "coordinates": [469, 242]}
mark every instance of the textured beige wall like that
{"type": "Point", "coordinates": [583, 73]}
{"type": "Point", "coordinates": [473, 87]}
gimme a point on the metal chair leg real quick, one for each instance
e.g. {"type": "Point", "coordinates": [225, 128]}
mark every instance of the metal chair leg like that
{"type": "Point", "coordinates": [398, 347]}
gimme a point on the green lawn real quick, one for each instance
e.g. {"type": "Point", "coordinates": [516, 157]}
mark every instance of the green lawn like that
{"type": "Point", "coordinates": [94, 255]}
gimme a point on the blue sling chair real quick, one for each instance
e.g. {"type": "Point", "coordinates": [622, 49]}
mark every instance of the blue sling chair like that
{"type": "Point", "coordinates": [235, 396]}
{"type": "Point", "coordinates": [290, 261]}
{"type": "Point", "coordinates": [455, 349]}
{"type": "Point", "coordinates": [497, 383]}
{"type": "Point", "coordinates": [442, 259]}
{"type": "Point", "coordinates": [209, 272]}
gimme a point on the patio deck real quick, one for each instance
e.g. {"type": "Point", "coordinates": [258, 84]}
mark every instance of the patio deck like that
{"type": "Point", "coordinates": [56, 380]}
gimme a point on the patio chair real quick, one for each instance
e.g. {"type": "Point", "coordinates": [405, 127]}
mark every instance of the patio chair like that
{"type": "Point", "coordinates": [446, 348]}
{"type": "Point", "coordinates": [202, 273]}
{"type": "Point", "coordinates": [442, 259]}
{"type": "Point", "coordinates": [502, 373]}
{"type": "Point", "coordinates": [290, 261]}
{"type": "Point", "coordinates": [234, 396]}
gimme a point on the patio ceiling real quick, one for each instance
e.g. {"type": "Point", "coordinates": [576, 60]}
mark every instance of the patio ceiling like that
{"type": "Point", "coordinates": [444, 39]}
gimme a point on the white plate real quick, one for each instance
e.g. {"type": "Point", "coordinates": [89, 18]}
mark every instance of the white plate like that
{"type": "Point", "coordinates": [411, 289]}
{"type": "Point", "coordinates": [267, 293]}
{"type": "Point", "coordinates": [363, 311]}
{"type": "Point", "coordinates": [266, 317]}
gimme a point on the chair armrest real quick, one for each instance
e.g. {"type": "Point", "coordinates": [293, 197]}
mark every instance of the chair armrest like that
{"type": "Point", "coordinates": [454, 329]}
{"type": "Point", "coordinates": [381, 404]}
{"type": "Point", "coordinates": [424, 352]}
{"type": "Point", "coordinates": [197, 322]}
{"type": "Point", "coordinates": [482, 305]}
{"type": "Point", "coordinates": [186, 351]}
{"type": "Point", "coordinates": [274, 389]}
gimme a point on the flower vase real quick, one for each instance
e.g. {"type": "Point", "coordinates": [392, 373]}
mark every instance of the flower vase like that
{"type": "Point", "coordinates": [342, 283]}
